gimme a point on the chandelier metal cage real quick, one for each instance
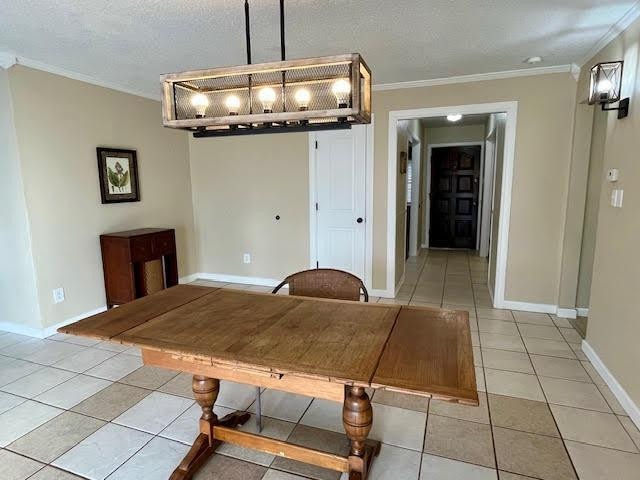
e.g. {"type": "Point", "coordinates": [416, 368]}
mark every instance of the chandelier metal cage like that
{"type": "Point", "coordinates": [321, 93]}
{"type": "Point", "coordinates": [605, 87]}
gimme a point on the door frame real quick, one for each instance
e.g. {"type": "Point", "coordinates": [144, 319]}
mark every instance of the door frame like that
{"type": "Point", "coordinates": [511, 111]}
{"type": "Point", "coordinates": [427, 213]}
{"type": "Point", "coordinates": [488, 180]}
{"type": "Point", "coordinates": [368, 215]}
{"type": "Point", "coordinates": [416, 174]}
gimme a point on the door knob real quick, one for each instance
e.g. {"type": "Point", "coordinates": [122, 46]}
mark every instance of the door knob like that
{"type": "Point", "coordinates": [359, 220]}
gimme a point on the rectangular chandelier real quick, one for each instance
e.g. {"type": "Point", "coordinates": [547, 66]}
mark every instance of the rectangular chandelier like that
{"type": "Point", "coordinates": [292, 95]}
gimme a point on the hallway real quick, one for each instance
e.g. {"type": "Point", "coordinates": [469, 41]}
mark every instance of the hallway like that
{"type": "Point", "coordinates": [454, 279]}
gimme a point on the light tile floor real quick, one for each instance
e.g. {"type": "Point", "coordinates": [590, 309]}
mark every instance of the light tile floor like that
{"type": "Point", "coordinates": [72, 408]}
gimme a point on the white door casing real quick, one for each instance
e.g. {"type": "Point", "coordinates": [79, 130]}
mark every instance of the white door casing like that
{"type": "Point", "coordinates": [510, 108]}
{"type": "Point", "coordinates": [340, 196]}
{"type": "Point", "coordinates": [487, 194]}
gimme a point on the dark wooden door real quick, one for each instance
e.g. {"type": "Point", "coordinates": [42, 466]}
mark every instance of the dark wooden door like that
{"type": "Point", "coordinates": [454, 197]}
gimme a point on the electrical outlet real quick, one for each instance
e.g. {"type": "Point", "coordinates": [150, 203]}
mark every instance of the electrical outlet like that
{"type": "Point", "coordinates": [246, 258]}
{"type": "Point", "coordinates": [58, 295]}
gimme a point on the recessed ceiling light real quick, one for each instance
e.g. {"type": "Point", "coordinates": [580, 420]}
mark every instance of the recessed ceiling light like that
{"type": "Point", "coordinates": [454, 118]}
{"type": "Point", "coordinates": [533, 60]}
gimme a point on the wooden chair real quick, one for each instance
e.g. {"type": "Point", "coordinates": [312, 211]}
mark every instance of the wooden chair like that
{"type": "Point", "coordinates": [325, 283]}
{"type": "Point", "coordinates": [320, 283]}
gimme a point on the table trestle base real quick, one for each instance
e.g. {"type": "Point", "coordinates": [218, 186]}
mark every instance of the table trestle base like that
{"type": "Point", "coordinates": [357, 418]}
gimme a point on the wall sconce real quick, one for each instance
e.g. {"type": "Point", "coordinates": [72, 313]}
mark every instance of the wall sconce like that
{"type": "Point", "coordinates": [606, 85]}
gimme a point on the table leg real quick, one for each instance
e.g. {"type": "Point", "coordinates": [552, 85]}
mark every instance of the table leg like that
{"type": "Point", "coordinates": [357, 418]}
{"type": "Point", "coordinates": [205, 391]}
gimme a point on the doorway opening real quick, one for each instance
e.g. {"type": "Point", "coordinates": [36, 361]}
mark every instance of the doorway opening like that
{"type": "Point", "coordinates": [459, 189]}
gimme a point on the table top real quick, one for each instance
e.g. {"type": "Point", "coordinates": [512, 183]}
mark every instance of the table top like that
{"type": "Point", "coordinates": [416, 350]}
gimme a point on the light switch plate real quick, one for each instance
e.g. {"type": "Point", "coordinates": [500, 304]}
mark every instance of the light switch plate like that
{"type": "Point", "coordinates": [58, 295]}
{"type": "Point", "coordinates": [616, 198]}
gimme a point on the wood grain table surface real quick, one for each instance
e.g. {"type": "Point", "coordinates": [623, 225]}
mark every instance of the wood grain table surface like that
{"type": "Point", "coordinates": [422, 351]}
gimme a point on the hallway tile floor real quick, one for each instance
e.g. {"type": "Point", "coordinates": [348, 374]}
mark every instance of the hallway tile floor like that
{"type": "Point", "coordinates": [72, 408]}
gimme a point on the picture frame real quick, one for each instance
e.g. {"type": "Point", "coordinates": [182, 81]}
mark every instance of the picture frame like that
{"type": "Point", "coordinates": [118, 172]}
{"type": "Point", "coordinates": [403, 162]}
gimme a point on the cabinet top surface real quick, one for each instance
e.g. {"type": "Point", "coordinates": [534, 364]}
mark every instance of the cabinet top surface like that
{"type": "Point", "coordinates": [137, 232]}
{"type": "Point", "coordinates": [410, 349]}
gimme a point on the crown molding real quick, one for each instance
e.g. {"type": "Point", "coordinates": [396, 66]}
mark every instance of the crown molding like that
{"type": "Point", "coordinates": [575, 71]}
{"type": "Point", "coordinates": [478, 77]}
{"type": "Point", "coordinates": [616, 29]}
{"type": "Point", "coordinates": [27, 62]}
{"type": "Point", "coordinates": [7, 60]}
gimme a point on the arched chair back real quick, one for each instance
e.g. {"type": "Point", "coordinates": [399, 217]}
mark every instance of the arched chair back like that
{"type": "Point", "coordinates": [325, 283]}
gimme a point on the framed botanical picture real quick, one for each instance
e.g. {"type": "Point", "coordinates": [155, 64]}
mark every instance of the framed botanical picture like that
{"type": "Point", "coordinates": [118, 170]}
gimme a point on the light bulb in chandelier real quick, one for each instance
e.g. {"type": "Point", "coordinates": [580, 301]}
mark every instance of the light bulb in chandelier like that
{"type": "Point", "coordinates": [303, 98]}
{"type": "Point", "coordinates": [268, 97]}
{"type": "Point", "coordinates": [200, 102]}
{"type": "Point", "coordinates": [232, 102]}
{"type": "Point", "coordinates": [341, 89]}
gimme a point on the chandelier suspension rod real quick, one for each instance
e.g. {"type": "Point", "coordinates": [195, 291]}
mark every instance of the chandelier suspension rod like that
{"type": "Point", "coordinates": [282, 50]}
{"type": "Point", "coordinates": [247, 30]}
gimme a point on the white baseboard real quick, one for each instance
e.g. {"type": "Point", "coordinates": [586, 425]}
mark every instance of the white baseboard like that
{"type": "Point", "coordinates": [582, 312]}
{"type": "Point", "coordinates": [398, 285]}
{"type": "Point", "coordinates": [222, 277]}
{"type": "Point", "coordinates": [623, 397]}
{"type": "Point", "coordinates": [21, 329]}
{"type": "Point", "coordinates": [47, 331]}
{"type": "Point", "coordinates": [189, 278]}
{"type": "Point", "coordinates": [265, 282]}
{"type": "Point", "coordinates": [567, 312]}
{"type": "Point", "coordinates": [529, 307]}
{"type": "Point", "coordinates": [374, 292]}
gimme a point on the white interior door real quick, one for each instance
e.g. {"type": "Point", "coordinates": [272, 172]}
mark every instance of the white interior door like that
{"type": "Point", "coordinates": [340, 199]}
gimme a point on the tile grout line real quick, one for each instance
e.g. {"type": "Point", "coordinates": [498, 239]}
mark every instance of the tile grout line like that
{"type": "Point", "coordinates": [544, 394]}
{"type": "Point", "coordinates": [475, 306]}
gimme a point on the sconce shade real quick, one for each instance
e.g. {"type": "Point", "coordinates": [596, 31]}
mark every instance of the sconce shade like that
{"type": "Point", "coordinates": [606, 83]}
{"type": "Point", "coordinates": [290, 95]}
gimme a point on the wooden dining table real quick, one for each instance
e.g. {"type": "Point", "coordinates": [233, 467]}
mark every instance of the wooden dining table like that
{"type": "Point", "coordinates": [328, 349]}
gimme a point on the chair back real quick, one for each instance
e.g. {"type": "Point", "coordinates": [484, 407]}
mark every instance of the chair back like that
{"type": "Point", "coordinates": [325, 283]}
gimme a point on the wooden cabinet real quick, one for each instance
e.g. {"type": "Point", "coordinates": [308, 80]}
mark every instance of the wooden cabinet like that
{"type": "Point", "coordinates": [137, 263]}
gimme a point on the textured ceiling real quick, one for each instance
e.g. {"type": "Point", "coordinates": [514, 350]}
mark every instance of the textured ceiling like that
{"type": "Point", "coordinates": [129, 43]}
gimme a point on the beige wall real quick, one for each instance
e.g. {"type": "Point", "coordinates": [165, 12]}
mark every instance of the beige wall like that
{"type": "Point", "coordinates": [455, 134]}
{"type": "Point", "coordinates": [239, 185]}
{"type": "Point", "coordinates": [614, 329]}
{"type": "Point", "coordinates": [542, 157]}
{"type": "Point", "coordinates": [18, 295]}
{"type": "Point", "coordinates": [59, 123]}
{"type": "Point", "coordinates": [276, 171]}
{"type": "Point", "coordinates": [592, 206]}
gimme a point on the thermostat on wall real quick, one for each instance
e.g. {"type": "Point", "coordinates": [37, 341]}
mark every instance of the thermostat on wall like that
{"type": "Point", "coordinates": [612, 175]}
